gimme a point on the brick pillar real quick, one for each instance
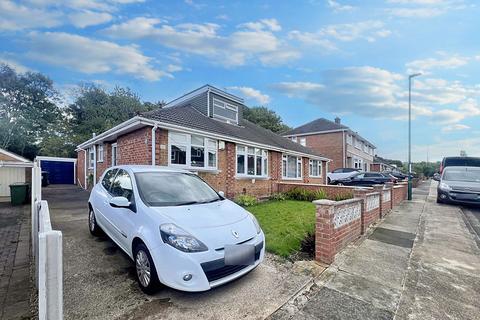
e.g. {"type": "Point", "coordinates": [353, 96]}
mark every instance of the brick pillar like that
{"type": "Point", "coordinates": [324, 231]}
{"type": "Point", "coordinates": [389, 185]}
{"type": "Point", "coordinates": [379, 188]}
{"type": "Point", "coordinates": [230, 178]}
{"type": "Point", "coordinates": [361, 193]}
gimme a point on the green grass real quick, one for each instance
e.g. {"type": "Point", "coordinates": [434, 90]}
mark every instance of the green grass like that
{"type": "Point", "coordinates": [285, 224]}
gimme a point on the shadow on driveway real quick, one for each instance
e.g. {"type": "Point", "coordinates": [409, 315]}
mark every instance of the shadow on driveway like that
{"type": "Point", "coordinates": [99, 280]}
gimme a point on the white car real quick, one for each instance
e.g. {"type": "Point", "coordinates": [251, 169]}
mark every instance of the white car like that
{"type": "Point", "coordinates": [341, 173]}
{"type": "Point", "coordinates": [175, 227]}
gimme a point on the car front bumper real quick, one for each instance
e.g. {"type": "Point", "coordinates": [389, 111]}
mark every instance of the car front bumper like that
{"type": "Point", "coordinates": [207, 269]}
{"type": "Point", "coordinates": [458, 197]}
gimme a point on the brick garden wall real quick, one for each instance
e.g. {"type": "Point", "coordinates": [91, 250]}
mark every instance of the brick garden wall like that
{"type": "Point", "coordinates": [337, 224]}
{"type": "Point", "coordinates": [386, 202]}
{"type": "Point", "coordinates": [370, 207]}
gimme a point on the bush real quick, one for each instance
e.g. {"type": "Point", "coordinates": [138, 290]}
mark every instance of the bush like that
{"type": "Point", "coordinates": [278, 196]}
{"type": "Point", "coordinates": [245, 200]}
{"type": "Point", "coordinates": [305, 195]}
{"type": "Point", "coordinates": [345, 196]}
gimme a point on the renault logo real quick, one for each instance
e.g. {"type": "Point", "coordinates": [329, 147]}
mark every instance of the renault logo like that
{"type": "Point", "coordinates": [235, 234]}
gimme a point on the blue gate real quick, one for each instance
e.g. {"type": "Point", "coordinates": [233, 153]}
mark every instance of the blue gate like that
{"type": "Point", "coordinates": [59, 172]}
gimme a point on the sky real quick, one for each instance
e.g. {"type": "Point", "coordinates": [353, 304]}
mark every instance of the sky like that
{"type": "Point", "coordinates": [302, 59]}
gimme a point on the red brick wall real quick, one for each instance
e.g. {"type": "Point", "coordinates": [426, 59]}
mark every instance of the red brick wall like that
{"type": "Point", "coordinates": [375, 167]}
{"type": "Point", "coordinates": [329, 240]}
{"type": "Point", "coordinates": [331, 145]}
{"type": "Point", "coordinates": [386, 205]}
{"type": "Point", "coordinates": [372, 215]}
{"type": "Point", "coordinates": [135, 147]}
{"type": "Point", "coordinates": [332, 191]}
{"type": "Point", "coordinates": [399, 193]}
{"type": "Point", "coordinates": [81, 167]}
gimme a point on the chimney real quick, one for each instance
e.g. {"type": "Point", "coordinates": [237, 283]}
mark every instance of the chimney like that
{"type": "Point", "coordinates": [337, 120]}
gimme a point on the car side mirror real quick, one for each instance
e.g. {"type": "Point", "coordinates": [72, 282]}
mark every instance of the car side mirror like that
{"type": "Point", "coordinates": [120, 202]}
{"type": "Point", "coordinates": [436, 177]}
{"type": "Point", "coordinates": [221, 194]}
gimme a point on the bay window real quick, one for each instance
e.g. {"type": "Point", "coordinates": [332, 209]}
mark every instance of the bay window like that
{"type": "Point", "coordinates": [291, 167]}
{"type": "Point", "coordinates": [192, 151]}
{"type": "Point", "coordinates": [91, 157]}
{"type": "Point", "coordinates": [252, 161]}
{"type": "Point", "coordinates": [315, 168]}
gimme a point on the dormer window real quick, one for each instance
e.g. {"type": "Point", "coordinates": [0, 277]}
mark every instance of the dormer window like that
{"type": "Point", "coordinates": [225, 111]}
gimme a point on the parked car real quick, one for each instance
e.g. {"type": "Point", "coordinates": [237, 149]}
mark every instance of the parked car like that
{"type": "Point", "coordinates": [390, 176]}
{"type": "Point", "coordinates": [366, 179]}
{"type": "Point", "coordinates": [459, 162]}
{"type": "Point", "coordinates": [341, 173]}
{"type": "Point", "coordinates": [176, 228]}
{"type": "Point", "coordinates": [459, 185]}
{"type": "Point", "coordinates": [398, 175]}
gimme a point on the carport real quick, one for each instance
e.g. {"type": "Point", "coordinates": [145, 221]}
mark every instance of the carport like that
{"type": "Point", "coordinates": [60, 170]}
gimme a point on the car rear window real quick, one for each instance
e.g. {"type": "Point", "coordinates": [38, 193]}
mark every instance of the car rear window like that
{"type": "Point", "coordinates": [462, 162]}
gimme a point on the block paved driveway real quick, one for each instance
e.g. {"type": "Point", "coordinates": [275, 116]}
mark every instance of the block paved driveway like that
{"type": "Point", "coordinates": [15, 285]}
{"type": "Point", "coordinates": [99, 280]}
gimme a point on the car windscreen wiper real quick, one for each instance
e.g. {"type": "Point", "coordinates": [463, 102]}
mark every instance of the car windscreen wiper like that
{"type": "Point", "coordinates": [187, 203]}
{"type": "Point", "coordinates": [210, 201]}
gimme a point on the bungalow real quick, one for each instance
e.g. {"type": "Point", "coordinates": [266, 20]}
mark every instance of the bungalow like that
{"type": "Point", "coordinates": [204, 132]}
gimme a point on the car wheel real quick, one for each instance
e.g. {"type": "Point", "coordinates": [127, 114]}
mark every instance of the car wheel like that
{"type": "Point", "coordinates": [339, 184]}
{"type": "Point", "coordinates": [329, 181]}
{"type": "Point", "coordinates": [439, 200]}
{"type": "Point", "coordinates": [92, 224]}
{"type": "Point", "coordinates": [145, 269]}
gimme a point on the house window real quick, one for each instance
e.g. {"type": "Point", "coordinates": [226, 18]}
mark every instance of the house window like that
{"type": "Point", "coordinates": [252, 161]}
{"type": "Point", "coordinates": [225, 111]}
{"type": "Point", "coordinates": [192, 151]}
{"type": "Point", "coordinates": [315, 168]}
{"type": "Point", "coordinates": [114, 154]}
{"type": "Point", "coordinates": [357, 144]}
{"type": "Point", "coordinates": [91, 157]}
{"type": "Point", "coordinates": [358, 163]}
{"type": "Point", "coordinates": [291, 167]}
{"type": "Point", "coordinates": [100, 153]}
{"type": "Point", "coordinates": [349, 139]}
{"type": "Point", "coordinates": [294, 139]}
{"type": "Point", "coordinates": [365, 148]}
{"type": "Point", "coordinates": [303, 141]}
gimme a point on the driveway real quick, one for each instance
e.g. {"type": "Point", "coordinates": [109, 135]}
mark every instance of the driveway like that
{"type": "Point", "coordinates": [99, 281]}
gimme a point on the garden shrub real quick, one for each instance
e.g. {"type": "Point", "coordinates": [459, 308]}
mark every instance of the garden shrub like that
{"type": "Point", "coordinates": [246, 200]}
{"type": "Point", "coordinates": [301, 194]}
{"type": "Point", "coordinates": [344, 196]}
{"type": "Point", "coordinates": [278, 196]}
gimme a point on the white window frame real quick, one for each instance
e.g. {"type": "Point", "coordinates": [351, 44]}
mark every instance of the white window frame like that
{"type": "Point", "coordinates": [357, 143]}
{"type": "Point", "coordinates": [294, 139]}
{"type": "Point", "coordinates": [114, 154]}
{"type": "Point", "coordinates": [224, 105]}
{"type": "Point", "coordinates": [303, 141]}
{"type": "Point", "coordinates": [91, 158]}
{"type": "Point", "coordinates": [319, 165]}
{"type": "Point", "coordinates": [101, 153]}
{"type": "Point", "coordinates": [264, 159]}
{"type": "Point", "coordinates": [297, 163]}
{"type": "Point", "coordinates": [349, 139]}
{"type": "Point", "coordinates": [188, 146]}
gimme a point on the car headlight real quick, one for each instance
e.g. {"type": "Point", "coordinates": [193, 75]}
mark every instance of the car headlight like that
{"type": "Point", "coordinates": [255, 222]}
{"type": "Point", "coordinates": [445, 187]}
{"type": "Point", "coordinates": [180, 239]}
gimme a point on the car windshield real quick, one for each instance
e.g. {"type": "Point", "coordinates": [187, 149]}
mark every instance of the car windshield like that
{"type": "Point", "coordinates": [462, 175]}
{"type": "Point", "coordinates": [161, 189]}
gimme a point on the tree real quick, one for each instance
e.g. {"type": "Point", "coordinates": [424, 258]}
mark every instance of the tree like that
{"type": "Point", "coordinates": [265, 118]}
{"type": "Point", "coordinates": [28, 110]}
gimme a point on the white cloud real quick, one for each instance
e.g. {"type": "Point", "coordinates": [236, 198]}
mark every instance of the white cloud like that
{"type": "Point", "coordinates": [378, 93]}
{"type": "Point", "coordinates": [337, 7]}
{"type": "Point", "coordinates": [91, 56]}
{"type": "Point", "coordinates": [369, 30]}
{"type": "Point", "coordinates": [455, 127]}
{"type": "Point", "coordinates": [87, 18]}
{"type": "Point", "coordinates": [443, 62]}
{"type": "Point", "coordinates": [18, 17]}
{"type": "Point", "coordinates": [252, 41]}
{"type": "Point", "coordinates": [423, 8]}
{"type": "Point", "coordinates": [12, 63]}
{"type": "Point", "coordinates": [253, 94]}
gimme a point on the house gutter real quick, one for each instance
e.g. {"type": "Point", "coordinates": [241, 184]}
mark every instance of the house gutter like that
{"type": "Point", "coordinates": [12, 164]}
{"type": "Point", "coordinates": [154, 130]}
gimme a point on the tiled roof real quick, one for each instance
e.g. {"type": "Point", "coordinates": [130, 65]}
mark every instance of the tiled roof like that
{"type": "Point", "coordinates": [189, 117]}
{"type": "Point", "coordinates": [317, 125]}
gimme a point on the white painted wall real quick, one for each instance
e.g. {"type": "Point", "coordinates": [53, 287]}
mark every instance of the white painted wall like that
{"type": "Point", "coordinates": [9, 175]}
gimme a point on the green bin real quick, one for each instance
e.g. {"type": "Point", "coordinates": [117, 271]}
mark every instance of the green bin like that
{"type": "Point", "coordinates": [19, 193]}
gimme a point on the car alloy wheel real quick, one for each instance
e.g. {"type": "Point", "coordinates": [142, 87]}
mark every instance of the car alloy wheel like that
{"type": "Point", "coordinates": [92, 223]}
{"type": "Point", "coordinates": [143, 268]}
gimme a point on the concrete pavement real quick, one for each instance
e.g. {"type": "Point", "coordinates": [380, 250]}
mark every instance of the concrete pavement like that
{"type": "Point", "coordinates": [421, 262]}
{"type": "Point", "coordinates": [15, 285]}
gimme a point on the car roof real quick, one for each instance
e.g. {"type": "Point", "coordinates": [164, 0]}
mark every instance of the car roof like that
{"type": "Point", "coordinates": [147, 168]}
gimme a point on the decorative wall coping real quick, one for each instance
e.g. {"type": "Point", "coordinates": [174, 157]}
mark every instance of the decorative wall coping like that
{"type": "Point", "coordinates": [326, 202]}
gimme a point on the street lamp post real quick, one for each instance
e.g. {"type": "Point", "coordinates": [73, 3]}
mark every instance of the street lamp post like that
{"type": "Point", "coordinates": [410, 77]}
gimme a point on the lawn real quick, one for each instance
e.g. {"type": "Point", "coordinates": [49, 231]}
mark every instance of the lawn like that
{"type": "Point", "coordinates": [285, 224]}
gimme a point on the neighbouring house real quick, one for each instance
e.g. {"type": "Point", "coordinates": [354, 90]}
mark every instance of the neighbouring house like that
{"type": "Point", "coordinates": [380, 165]}
{"type": "Point", "coordinates": [13, 169]}
{"type": "Point", "coordinates": [345, 147]}
{"type": "Point", "coordinates": [203, 131]}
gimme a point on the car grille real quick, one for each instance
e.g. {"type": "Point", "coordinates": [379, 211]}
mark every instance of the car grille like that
{"type": "Point", "coordinates": [216, 269]}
